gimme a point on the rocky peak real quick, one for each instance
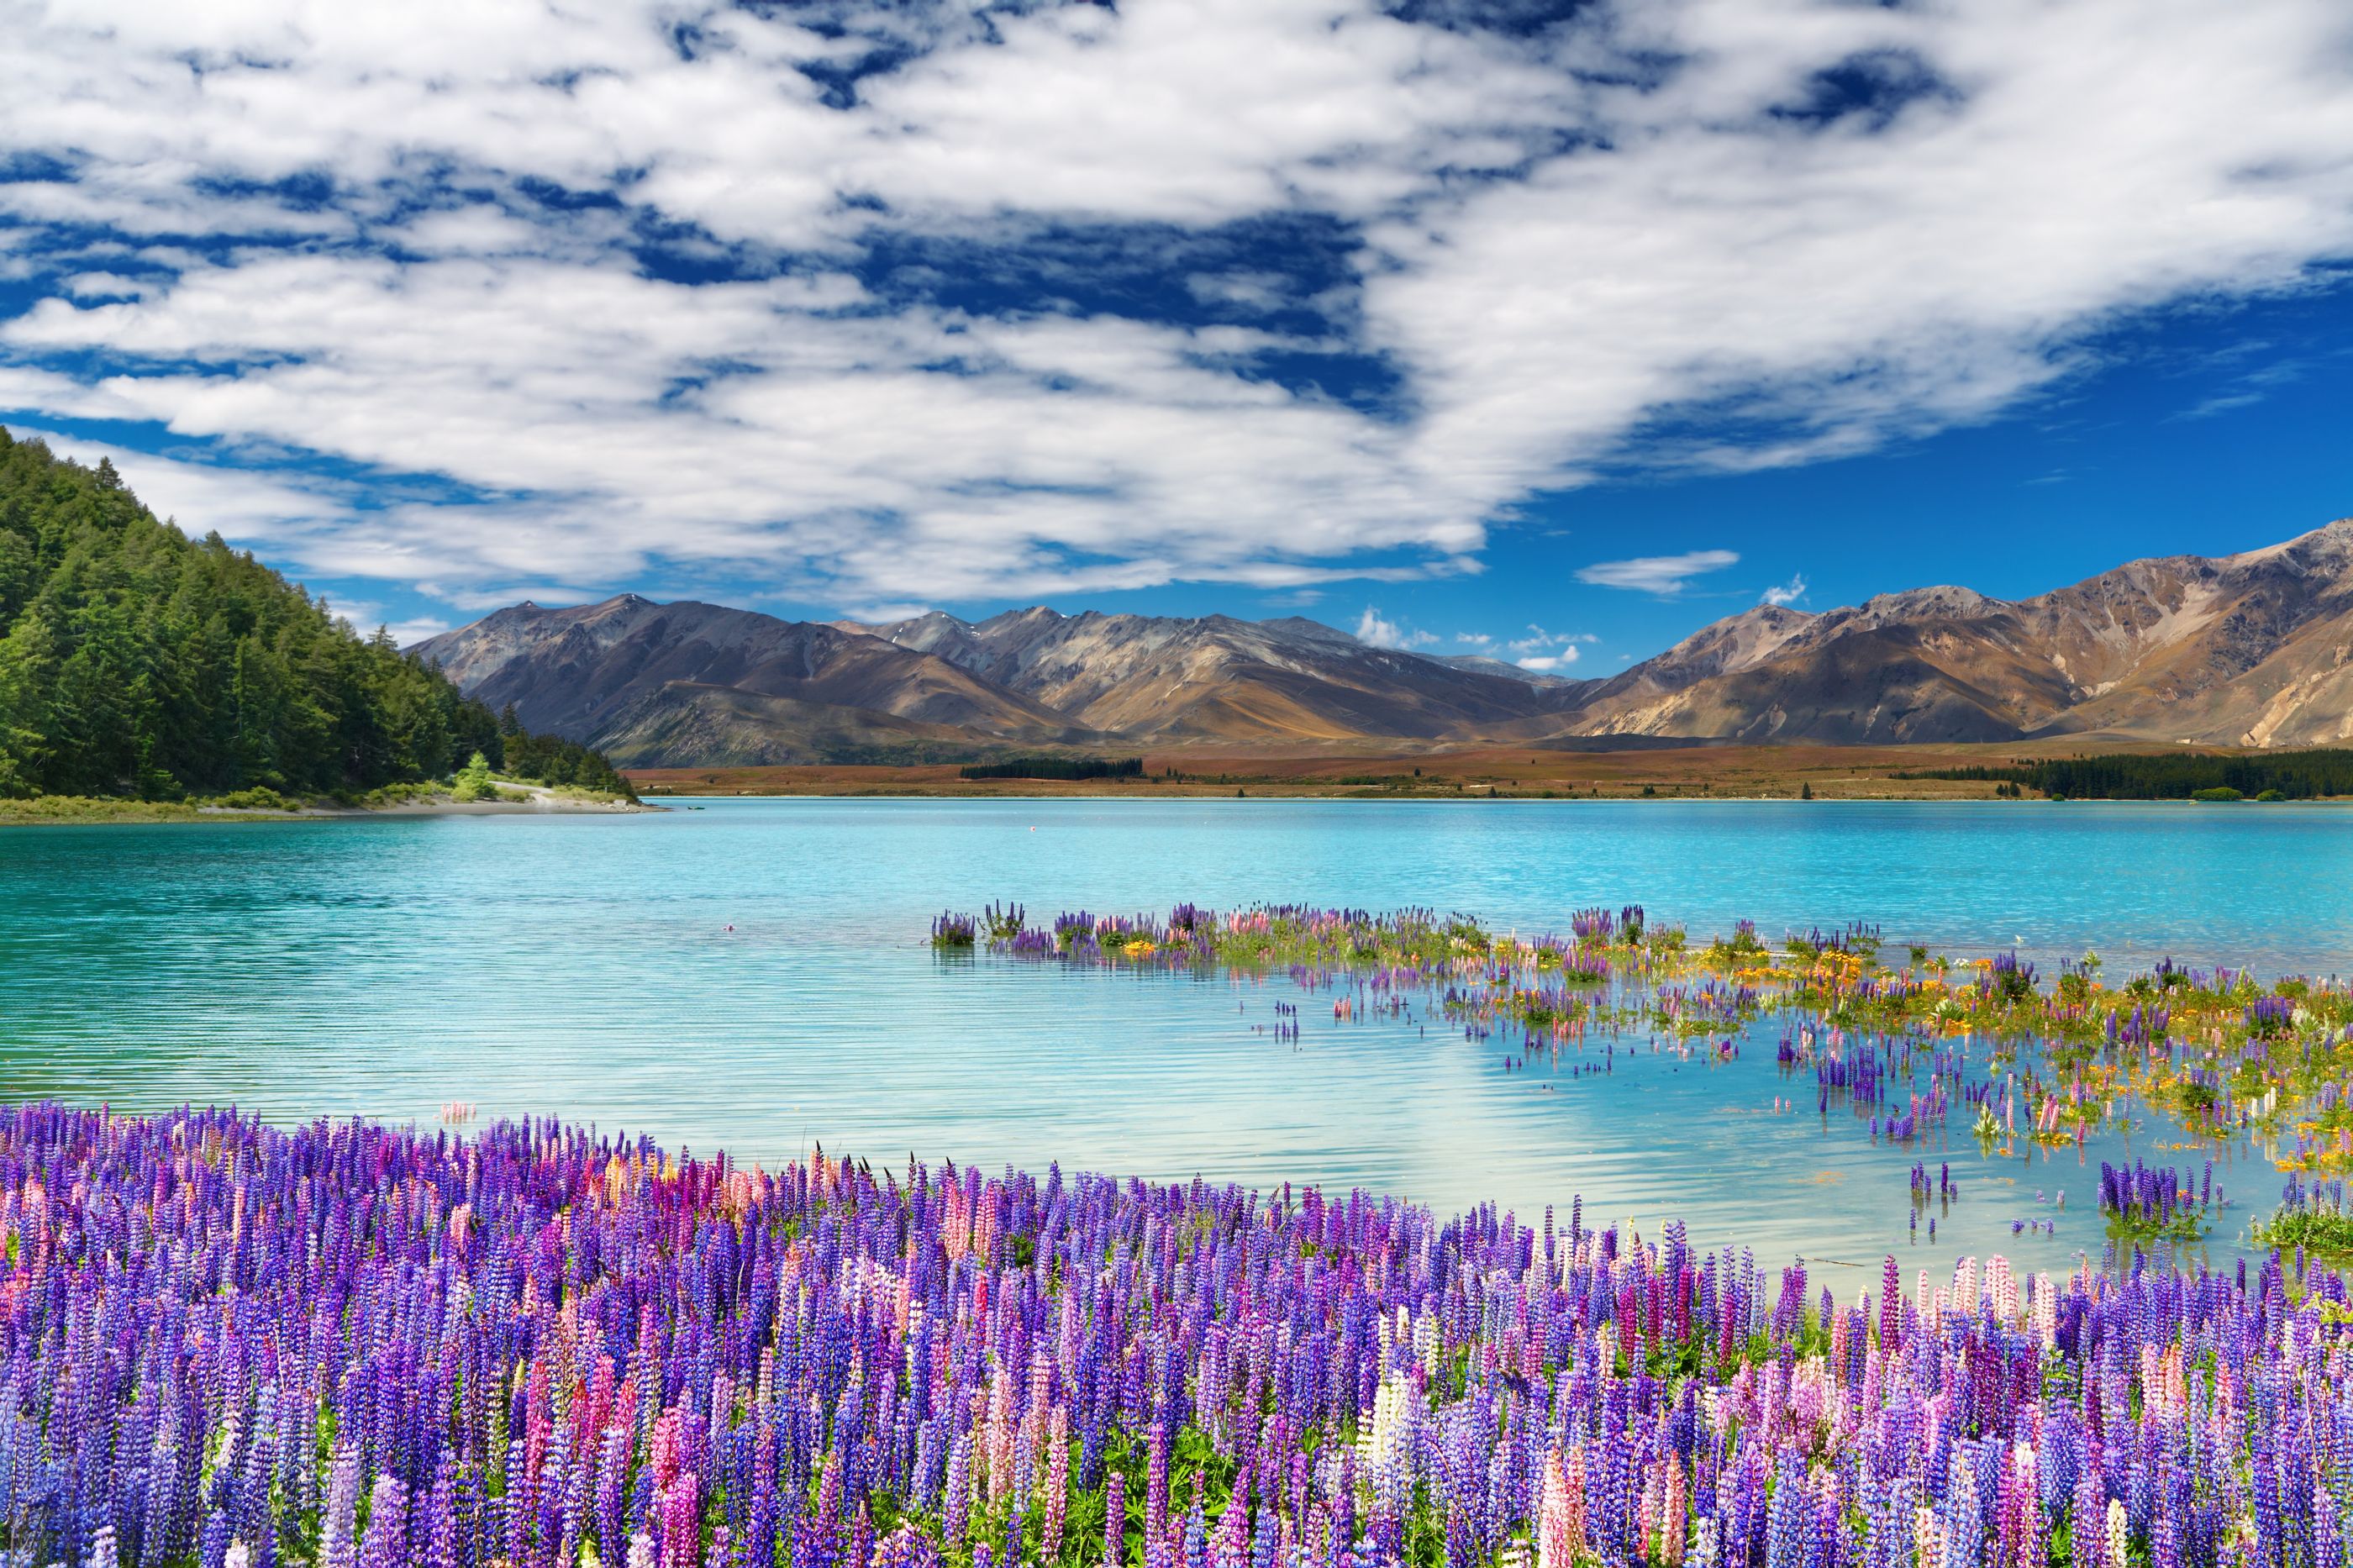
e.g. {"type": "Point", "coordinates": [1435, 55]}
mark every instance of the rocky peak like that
{"type": "Point", "coordinates": [1314, 631]}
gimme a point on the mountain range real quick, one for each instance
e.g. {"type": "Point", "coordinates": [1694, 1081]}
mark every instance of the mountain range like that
{"type": "Point", "coordinates": [2250, 650]}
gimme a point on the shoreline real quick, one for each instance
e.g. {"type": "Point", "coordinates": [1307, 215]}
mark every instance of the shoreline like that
{"type": "Point", "coordinates": [1439, 797]}
{"type": "Point", "coordinates": [85, 812]}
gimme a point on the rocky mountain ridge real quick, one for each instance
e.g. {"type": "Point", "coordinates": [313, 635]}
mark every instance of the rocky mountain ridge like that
{"type": "Point", "coordinates": [2251, 649]}
{"type": "Point", "coordinates": [2246, 649]}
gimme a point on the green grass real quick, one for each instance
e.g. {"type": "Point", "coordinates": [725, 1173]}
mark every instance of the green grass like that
{"type": "Point", "coordinates": [66, 809]}
{"type": "Point", "coordinates": [2138, 1230]}
{"type": "Point", "coordinates": [256, 800]}
{"type": "Point", "coordinates": [70, 810]}
{"type": "Point", "coordinates": [250, 805]}
{"type": "Point", "coordinates": [402, 794]}
{"type": "Point", "coordinates": [2325, 1231]}
{"type": "Point", "coordinates": [581, 792]}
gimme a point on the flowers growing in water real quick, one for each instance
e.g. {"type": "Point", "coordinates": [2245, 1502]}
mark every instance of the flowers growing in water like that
{"type": "Point", "coordinates": [2145, 1200]}
{"type": "Point", "coordinates": [2313, 1217]}
{"type": "Point", "coordinates": [2211, 1045]}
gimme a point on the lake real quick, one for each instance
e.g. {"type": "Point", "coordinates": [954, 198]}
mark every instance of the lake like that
{"type": "Point", "coordinates": [587, 967]}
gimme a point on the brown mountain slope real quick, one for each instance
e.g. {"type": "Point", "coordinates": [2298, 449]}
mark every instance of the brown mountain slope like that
{"type": "Point", "coordinates": [2252, 653]}
{"type": "Point", "coordinates": [2247, 649]}
{"type": "Point", "coordinates": [1167, 680]}
{"type": "Point", "coordinates": [721, 726]}
{"type": "Point", "coordinates": [577, 671]}
{"type": "Point", "coordinates": [1720, 647]}
{"type": "Point", "coordinates": [637, 679]}
{"type": "Point", "coordinates": [1926, 681]}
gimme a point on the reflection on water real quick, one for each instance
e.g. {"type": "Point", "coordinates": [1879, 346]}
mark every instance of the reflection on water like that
{"type": "Point", "coordinates": [583, 966]}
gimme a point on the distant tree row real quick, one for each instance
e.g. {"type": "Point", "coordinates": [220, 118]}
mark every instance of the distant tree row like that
{"type": "Point", "coordinates": [2169, 775]}
{"type": "Point", "coordinates": [549, 758]}
{"type": "Point", "coordinates": [135, 661]}
{"type": "Point", "coordinates": [1057, 768]}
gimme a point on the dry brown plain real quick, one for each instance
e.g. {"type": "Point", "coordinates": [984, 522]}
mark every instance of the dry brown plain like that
{"type": "Point", "coordinates": [1681, 772]}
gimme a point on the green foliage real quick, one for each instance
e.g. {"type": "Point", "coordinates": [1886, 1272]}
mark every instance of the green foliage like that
{"type": "Point", "coordinates": [1058, 768]}
{"type": "Point", "coordinates": [551, 760]}
{"type": "Point", "coordinates": [138, 663]}
{"type": "Point", "coordinates": [2012, 986]}
{"type": "Point", "coordinates": [416, 791]}
{"type": "Point", "coordinates": [1744, 945]}
{"type": "Point", "coordinates": [474, 781]}
{"type": "Point", "coordinates": [259, 798]}
{"type": "Point", "coordinates": [2186, 1225]}
{"type": "Point", "coordinates": [2170, 776]}
{"type": "Point", "coordinates": [73, 810]}
{"type": "Point", "coordinates": [2324, 1230]}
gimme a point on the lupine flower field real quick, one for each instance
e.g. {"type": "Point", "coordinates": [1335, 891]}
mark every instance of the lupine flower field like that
{"type": "Point", "coordinates": [227, 1343]}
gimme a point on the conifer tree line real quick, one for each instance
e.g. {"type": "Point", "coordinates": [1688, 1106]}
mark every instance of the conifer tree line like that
{"type": "Point", "coordinates": [2311, 774]}
{"type": "Point", "coordinates": [136, 661]}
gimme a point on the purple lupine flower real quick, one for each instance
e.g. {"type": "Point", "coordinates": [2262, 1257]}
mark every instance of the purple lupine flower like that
{"type": "Point", "coordinates": [386, 1546]}
{"type": "Point", "coordinates": [696, 1363]}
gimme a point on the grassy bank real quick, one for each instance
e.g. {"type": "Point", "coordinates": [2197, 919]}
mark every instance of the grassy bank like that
{"type": "Point", "coordinates": [62, 810]}
{"type": "Point", "coordinates": [500, 796]}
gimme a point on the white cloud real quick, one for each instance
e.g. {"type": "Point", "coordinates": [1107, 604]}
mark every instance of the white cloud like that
{"type": "Point", "coordinates": [1261, 291]}
{"type": "Point", "coordinates": [365, 616]}
{"type": "Point", "coordinates": [1375, 631]}
{"type": "Point", "coordinates": [1655, 268]}
{"type": "Point", "coordinates": [1663, 574]}
{"type": "Point", "coordinates": [103, 285]}
{"type": "Point", "coordinates": [1545, 651]}
{"type": "Point", "coordinates": [885, 614]}
{"type": "Point", "coordinates": [1785, 593]}
{"type": "Point", "coordinates": [363, 613]}
{"type": "Point", "coordinates": [1538, 639]}
{"type": "Point", "coordinates": [2246, 391]}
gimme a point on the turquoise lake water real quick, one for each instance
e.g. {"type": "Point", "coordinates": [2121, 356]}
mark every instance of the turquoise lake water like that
{"type": "Point", "coordinates": [583, 966]}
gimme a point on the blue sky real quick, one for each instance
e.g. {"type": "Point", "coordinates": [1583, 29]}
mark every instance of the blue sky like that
{"type": "Point", "coordinates": [1545, 328]}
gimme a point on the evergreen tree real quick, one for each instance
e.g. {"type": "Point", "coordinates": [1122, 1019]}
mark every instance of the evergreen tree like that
{"type": "Point", "coordinates": [134, 660]}
{"type": "Point", "coordinates": [474, 779]}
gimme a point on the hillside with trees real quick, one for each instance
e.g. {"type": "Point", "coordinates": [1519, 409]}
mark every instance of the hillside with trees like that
{"type": "Point", "coordinates": [135, 661]}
